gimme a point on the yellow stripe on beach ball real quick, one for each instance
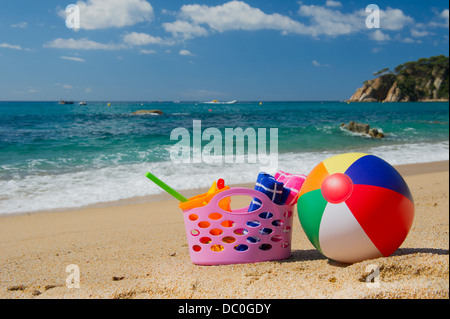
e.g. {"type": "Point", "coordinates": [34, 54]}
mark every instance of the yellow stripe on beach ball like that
{"type": "Point", "coordinates": [340, 163]}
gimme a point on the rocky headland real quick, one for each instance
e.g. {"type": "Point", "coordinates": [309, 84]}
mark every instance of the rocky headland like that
{"type": "Point", "coordinates": [424, 80]}
{"type": "Point", "coordinates": [363, 129]}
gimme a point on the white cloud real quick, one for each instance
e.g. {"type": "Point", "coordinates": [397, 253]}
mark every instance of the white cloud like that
{"type": "Point", "coordinates": [20, 25]}
{"type": "Point", "coordinates": [129, 40]}
{"type": "Point", "coordinates": [375, 50]}
{"type": "Point", "coordinates": [394, 19]}
{"type": "Point", "coordinates": [137, 39]}
{"type": "Point", "coordinates": [64, 86]}
{"type": "Point", "coordinates": [378, 35]}
{"type": "Point", "coordinates": [102, 14]}
{"type": "Point", "coordinates": [441, 19]}
{"type": "Point", "coordinates": [81, 44]}
{"type": "Point", "coordinates": [318, 64]}
{"type": "Point", "coordinates": [168, 12]}
{"type": "Point", "coordinates": [332, 22]}
{"type": "Point", "coordinates": [195, 20]}
{"type": "Point", "coordinates": [143, 51]}
{"type": "Point", "coordinates": [418, 34]}
{"type": "Point", "coordinates": [315, 20]}
{"type": "Point", "coordinates": [331, 3]}
{"type": "Point", "coordinates": [234, 15]}
{"type": "Point", "coordinates": [445, 15]}
{"type": "Point", "coordinates": [10, 46]}
{"type": "Point", "coordinates": [185, 52]}
{"type": "Point", "coordinates": [400, 38]}
{"type": "Point", "coordinates": [72, 58]}
{"type": "Point", "coordinates": [185, 29]}
{"type": "Point", "coordinates": [408, 40]}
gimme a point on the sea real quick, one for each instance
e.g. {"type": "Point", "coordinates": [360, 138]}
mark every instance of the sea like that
{"type": "Point", "coordinates": [55, 157]}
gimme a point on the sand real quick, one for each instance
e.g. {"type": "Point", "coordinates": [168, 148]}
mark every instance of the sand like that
{"type": "Point", "coordinates": [139, 250]}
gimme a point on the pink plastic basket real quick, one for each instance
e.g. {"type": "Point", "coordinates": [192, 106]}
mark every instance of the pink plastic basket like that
{"type": "Point", "coordinates": [218, 237]}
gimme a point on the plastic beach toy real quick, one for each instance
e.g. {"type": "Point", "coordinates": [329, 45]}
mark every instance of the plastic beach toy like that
{"type": "Point", "coordinates": [203, 199]}
{"type": "Point", "coordinates": [354, 207]}
{"type": "Point", "coordinates": [196, 201]}
{"type": "Point", "coordinates": [165, 187]}
{"type": "Point", "coordinates": [218, 237]}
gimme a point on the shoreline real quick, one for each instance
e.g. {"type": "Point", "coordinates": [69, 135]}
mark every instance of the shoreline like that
{"type": "Point", "coordinates": [404, 170]}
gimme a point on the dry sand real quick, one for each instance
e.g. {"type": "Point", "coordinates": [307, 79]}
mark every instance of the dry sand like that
{"type": "Point", "coordinates": [139, 250]}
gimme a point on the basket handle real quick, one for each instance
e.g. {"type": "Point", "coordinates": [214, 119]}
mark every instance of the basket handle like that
{"type": "Point", "coordinates": [266, 203]}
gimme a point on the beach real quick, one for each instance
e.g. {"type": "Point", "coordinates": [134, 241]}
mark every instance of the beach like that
{"type": "Point", "coordinates": [138, 249]}
{"type": "Point", "coordinates": [121, 121]}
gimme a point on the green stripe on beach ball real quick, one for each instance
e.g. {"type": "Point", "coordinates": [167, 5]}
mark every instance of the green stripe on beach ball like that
{"type": "Point", "coordinates": [310, 208]}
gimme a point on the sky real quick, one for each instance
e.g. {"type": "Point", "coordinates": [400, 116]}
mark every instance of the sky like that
{"type": "Point", "coordinates": [198, 50]}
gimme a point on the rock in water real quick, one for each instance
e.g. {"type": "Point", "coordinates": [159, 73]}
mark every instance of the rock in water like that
{"type": "Point", "coordinates": [357, 127]}
{"type": "Point", "coordinates": [152, 112]}
{"type": "Point", "coordinates": [362, 128]}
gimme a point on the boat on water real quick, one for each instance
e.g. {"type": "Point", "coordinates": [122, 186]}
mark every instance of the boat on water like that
{"type": "Point", "coordinates": [82, 103]}
{"type": "Point", "coordinates": [62, 102]}
{"type": "Point", "coordinates": [218, 102]}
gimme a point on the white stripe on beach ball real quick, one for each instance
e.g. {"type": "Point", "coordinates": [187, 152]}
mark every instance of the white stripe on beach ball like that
{"type": "Point", "coordinates": [342, 238]}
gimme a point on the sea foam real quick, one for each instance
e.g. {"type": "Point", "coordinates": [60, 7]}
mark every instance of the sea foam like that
{"type": "Point", "coordinates": [38, 192]}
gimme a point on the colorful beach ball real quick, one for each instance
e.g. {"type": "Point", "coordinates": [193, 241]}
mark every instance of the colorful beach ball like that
{"type": "Point", "coordinates": [354, 207]}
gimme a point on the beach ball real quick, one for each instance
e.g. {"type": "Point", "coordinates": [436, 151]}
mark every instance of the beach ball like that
{"type": "Point", "coordinates": [354, 207]}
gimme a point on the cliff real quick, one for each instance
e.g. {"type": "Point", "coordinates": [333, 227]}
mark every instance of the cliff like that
{"type": "Point", "coordinates": [421, 80]}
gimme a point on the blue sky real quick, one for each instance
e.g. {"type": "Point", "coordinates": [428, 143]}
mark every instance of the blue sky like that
{"type": "Point", "coordinates": [147, 50]}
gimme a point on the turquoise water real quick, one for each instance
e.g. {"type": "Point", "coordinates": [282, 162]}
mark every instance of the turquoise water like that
{"type": "Point", "coordinates": [54, 156]}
